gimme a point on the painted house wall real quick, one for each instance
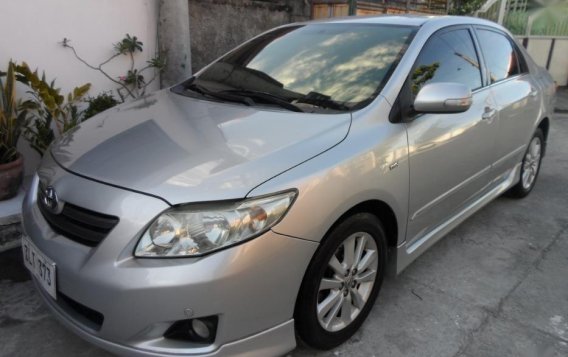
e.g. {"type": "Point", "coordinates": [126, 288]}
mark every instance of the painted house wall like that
{"type": "Point", "coordinates": [32, 29]}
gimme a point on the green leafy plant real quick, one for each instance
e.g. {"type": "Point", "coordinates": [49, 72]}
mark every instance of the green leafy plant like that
{"type": "Point", "coordinates": [516, 22]}
{"type": "Point", "coordinates": [465, 7]}
{"type": "Point", "coordinates": [133, 83]}
{"type": "Point", "coordinates": [128, 45]}
{"type": "Point", "coordinates": [12, 116]}
{"type": "Point", "coordinates": [48, 107]}
{"type": "Point", "coordinates": [551, 21]}
{"type": "Point", "coordinates": [98, 104]}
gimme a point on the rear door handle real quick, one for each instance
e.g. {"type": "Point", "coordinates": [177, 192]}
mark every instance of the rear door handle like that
{"type": "Point", "coordinates": [533, 92]}
{"type": "Point", "coordinates": [489, 114]}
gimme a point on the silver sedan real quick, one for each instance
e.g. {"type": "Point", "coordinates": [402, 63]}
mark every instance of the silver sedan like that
{"type": "Point", "coordinates": [267, 196]}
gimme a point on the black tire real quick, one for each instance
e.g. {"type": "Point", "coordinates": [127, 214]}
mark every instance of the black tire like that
{"type": "Point", "coordinates": [520, 190]}
{"type": "Point", "coordinates": [308, 326]}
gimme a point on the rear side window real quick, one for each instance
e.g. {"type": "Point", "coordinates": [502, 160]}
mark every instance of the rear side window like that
{"type": "Point", "coordinates": [500, 56]}
{"type": "Point", "coordinates": [447, 57]}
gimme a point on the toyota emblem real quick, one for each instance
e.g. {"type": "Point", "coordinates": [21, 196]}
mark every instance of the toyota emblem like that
{"type": "Point", "coordinates": [50, 200]}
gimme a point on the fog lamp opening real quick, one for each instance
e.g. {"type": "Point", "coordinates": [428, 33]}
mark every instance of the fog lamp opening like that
{"type": "Point", "coordinates": [202, 330]}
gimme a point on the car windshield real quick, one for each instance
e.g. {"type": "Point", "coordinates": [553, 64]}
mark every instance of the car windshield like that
{"type": "Point", "coordinates": [311, 68]}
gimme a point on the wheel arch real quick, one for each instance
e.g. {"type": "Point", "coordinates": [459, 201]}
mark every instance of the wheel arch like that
{"type": "Point", "coordinates": [379, 209]}
{"type": "Point", "coordinates": [375, 207]}
{"type": "Point", "coordinates": [386, 216]}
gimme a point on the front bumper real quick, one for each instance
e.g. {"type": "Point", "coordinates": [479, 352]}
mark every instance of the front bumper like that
{"type": "Point", "coordinates": [272, 342]}
{"type": "Point", "coordinates": [251, 287]}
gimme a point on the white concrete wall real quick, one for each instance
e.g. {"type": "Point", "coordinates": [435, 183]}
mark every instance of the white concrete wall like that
{"type": "Point", "coordinates": [539, 49]}
{"type": "Point", "coordinates": [30, 31]}
{"type": "Point", "coordinates": [559, 62]}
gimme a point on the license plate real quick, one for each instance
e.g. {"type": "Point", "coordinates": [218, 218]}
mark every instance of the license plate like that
{"type": "Point", "coordinates": [40, 266]}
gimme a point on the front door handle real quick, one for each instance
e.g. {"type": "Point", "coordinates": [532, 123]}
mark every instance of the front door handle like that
{"type": "Point", "coordinates": [489, 114]}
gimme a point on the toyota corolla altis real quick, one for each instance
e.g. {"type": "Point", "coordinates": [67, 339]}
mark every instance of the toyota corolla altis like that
{"type": "Point", "coordinates": [267, 196]}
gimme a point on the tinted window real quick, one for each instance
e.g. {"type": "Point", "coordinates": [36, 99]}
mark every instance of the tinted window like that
{"type": "Point", "coordinates": [500, 56]}
{"type": "Point", "coordinates": [315, 64]}
{"type": "Point", "coordinates": [447, 57]}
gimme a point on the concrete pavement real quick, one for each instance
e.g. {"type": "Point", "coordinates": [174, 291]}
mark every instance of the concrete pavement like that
{"type": "Point", "coordinates": [496, 286]}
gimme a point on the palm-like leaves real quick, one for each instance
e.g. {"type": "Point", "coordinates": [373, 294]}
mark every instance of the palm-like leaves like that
{"type": "Point", "coordinates": [47, 106]}
{"type": "Point", "coordinates": [128, 44]}
{"type": "Point", "coordinates": [12, 116]}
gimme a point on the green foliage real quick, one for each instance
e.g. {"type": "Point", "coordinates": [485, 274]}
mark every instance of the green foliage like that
{"type": "Point", "coordinates": [134, 79]}
{"type": "Point", "coordinates": [48, 106]}
{"type": "Point", "coordinates": [158, 62]}
{"type": "Point", "coordinates": [128, 45]}
{"type": "Point", "coordinates": [555, 28]}
{"type": "Point", "coordinates": [516, 22]}
{"type": "Point", "coordinates": [13, 116]}
{"type": "Point", "coordinates": [40, 134]}
{"type": "Point", "coordinates": [550, 22]}
{"type": "Point", "coordinates": [465, 7]}
{"type": "Point", "coordinates": [99, 104]}
{"type": "Point", "coordinates": [133, 83]}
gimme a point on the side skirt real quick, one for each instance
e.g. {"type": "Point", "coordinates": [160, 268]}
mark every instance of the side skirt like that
{"type": "Point", "coordinates": [406, 254]}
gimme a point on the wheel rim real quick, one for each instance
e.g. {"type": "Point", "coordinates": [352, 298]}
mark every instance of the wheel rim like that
{"type": "Point", "coordinates": [348, 282]}
{"type": "Point", "coordinates": [531, 163]}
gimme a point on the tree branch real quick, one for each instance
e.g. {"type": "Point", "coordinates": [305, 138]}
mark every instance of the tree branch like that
{"type": "Point", "coordinates": [99, 68]}
{"type": "Point", "coordinates": [79, 58]}
{"type": "Point", "coordinates": [108, 60]}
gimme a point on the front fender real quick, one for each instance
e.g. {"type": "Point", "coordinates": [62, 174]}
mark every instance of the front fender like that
{"type": "Point", "coordinates": [370, 164]}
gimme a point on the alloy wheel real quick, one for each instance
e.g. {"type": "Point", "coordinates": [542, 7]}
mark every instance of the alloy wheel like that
{"type": "Point", "coordinates": [348, 282]}
{"type": "Point", "coordinates": [531, 162]}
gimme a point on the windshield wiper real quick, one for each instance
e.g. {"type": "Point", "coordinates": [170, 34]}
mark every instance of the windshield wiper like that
{"type": "Point", "coordinates": [194, 87]}
{"type": "Point", "coordinates": [265, 97]}
{"type": "Point", "coordinates": [322, 101]}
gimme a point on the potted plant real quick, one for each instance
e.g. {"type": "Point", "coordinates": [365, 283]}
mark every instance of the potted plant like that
{"type": "Point", "coordinates": [12, 120]}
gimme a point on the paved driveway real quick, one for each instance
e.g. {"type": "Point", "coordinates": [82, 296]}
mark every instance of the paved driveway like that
{"type": "Point", "coordinates": [496, 286]}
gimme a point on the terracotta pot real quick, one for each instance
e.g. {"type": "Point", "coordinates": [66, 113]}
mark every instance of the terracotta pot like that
{"type": "Point", "coordinates": [11, 177]}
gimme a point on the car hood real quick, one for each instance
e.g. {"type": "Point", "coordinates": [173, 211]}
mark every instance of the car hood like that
{"type": "Point", "coordinates": [183, 149]}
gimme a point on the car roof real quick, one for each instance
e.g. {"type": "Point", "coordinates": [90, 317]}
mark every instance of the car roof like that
{"type": "Point", "coordinates": [409, 20]}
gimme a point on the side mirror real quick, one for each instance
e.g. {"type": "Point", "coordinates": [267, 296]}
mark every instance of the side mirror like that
{"type": "Point", "coordinates": [443, 98]}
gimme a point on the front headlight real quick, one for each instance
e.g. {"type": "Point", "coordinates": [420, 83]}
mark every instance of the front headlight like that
{"type": "Point", "coordinates": [195, 230]}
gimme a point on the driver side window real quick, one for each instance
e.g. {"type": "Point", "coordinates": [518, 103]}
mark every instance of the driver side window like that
{"type": "Point", "coordinates": [449, 56]}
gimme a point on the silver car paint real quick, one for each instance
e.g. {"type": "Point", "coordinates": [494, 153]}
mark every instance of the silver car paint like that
{"type": "Point", "coordinates": [190, 150]}
{"type": "Point", "coordinates": [140, 298]}
{"type": "Point", "coordinates": [518, 106]}
{"type": "Point", "coordinates": [443, 98]}
{"type": "Point", "coordinates": [324, 200]}
{"type": "Point", "coordinates": [335, 161]}
{"type": "Point", "coordinates": [450, 159]}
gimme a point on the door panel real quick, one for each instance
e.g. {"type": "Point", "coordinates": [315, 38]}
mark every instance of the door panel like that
{"type": "Point", "coordinates": [516, 96]}
{"type": "Point", "coordinates": [450, 158]}
{"type": "Point", "coordinates": [450, 155]}
{"type": "Point", "coordinates": [518, 111]}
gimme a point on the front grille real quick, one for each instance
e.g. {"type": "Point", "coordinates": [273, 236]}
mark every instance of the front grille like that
{"type": "Point", "coordinates": [78, 224]}
{"type": "Point", "coordinates": [87, 316]}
